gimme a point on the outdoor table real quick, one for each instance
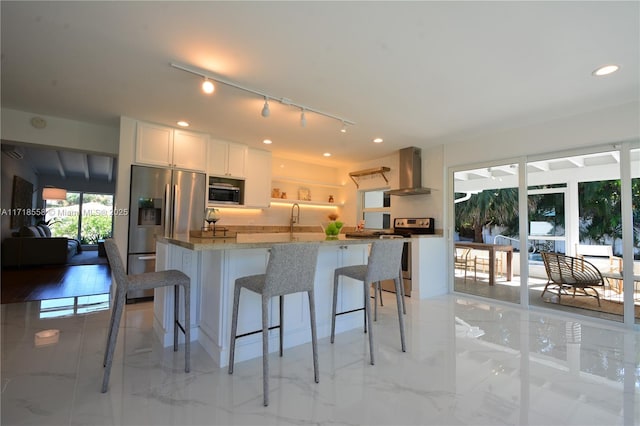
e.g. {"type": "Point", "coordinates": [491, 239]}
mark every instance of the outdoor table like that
{"type": "Point", "coordinates": [492, 249]}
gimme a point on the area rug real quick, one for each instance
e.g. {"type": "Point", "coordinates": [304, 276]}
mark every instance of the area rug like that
{"type": "Point", "coordinates": [87, 257]}
{"type": "Point", "coordinates": [591, 304]}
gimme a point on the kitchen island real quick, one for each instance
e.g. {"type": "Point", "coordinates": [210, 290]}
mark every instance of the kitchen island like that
{"type": "Point", "coordinates": [213, 264]}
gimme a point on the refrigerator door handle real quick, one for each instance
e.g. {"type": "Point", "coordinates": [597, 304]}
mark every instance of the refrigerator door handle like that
{"type": "Point", "coordinates": [168, 226]}
{"type": "Point", "coordinates": [174, 209]}
{"type": "Point", "coordinates": [150, 257]}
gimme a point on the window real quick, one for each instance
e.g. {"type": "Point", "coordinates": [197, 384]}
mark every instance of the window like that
{"type": "Point", "coordinates": [87, 217]}
{"type": "Point", "coordinates": [376, 209]}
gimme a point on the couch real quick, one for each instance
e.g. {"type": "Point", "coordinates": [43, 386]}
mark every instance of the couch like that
{"type": "Point", "coordinates": [34, 246]}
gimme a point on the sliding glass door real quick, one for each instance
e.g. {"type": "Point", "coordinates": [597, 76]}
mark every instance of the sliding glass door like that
{"type": "Point", "coordinates": [582, 205]}
{"type": "Point", "coordinates": [87, 217]}
{"type": "Point", "coordinates": [486, 232]}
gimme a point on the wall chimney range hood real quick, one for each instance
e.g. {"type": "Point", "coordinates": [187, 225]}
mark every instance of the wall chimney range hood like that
{"type": "Point", "coordinates": [410, 173]}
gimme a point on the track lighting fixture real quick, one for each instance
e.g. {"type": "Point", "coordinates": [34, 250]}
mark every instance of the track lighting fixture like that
{"type": "Point", "coordinates": [303, 119]}
{"type": "Point", "coordinates": [265, 108]}
{"type": "Point", "coordinates": [207, 86]}
{"type": "Point", "coordinates": [210, 77]}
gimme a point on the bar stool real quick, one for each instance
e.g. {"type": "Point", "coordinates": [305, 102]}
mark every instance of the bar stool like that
{"type": "Point", "coordinates": [378, 285]}
{"type": "Point", "coordinates": [383, 264]}
{"type": "Point", "coordinates": [144, 281]}
{"type": "Point", "coordinates": [291, 269]}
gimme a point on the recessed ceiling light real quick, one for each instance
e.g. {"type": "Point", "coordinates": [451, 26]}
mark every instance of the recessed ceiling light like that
{"type": "Point", "coordinates": [377, 140]}
{"type": "Point", "coordinates": [605, 70]}
{"type": "Point", "coordinates": [183, 123]}
{"type": "Point", "coordinates": [267, 142]}
{"type": "Point", "coordinates": [327, 154]}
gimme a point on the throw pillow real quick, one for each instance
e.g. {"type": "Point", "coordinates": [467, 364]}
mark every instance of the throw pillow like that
{"type": "Point", "coordinates": [29, 231]}
{"type": "Point", "coordinates": [37, 232]}
{"type": "Point", "coordinates": [45, 230]}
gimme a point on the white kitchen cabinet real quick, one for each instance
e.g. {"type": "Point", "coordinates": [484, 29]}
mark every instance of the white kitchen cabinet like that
{"type": "Point", "coordinates": [154, 145]}
{"type": "Point", "coordinates": [190, 150]}
{"type": "Point", "coordinates": [428, 276]}
{"type": "Point", "coordinates": [350, 292]}
{"type": "Point", "coordinates": [188, 261]}
{"type": "Point", "coordinates": [167, 147]}
{"type": "Point", "coordinates": [227, 159]}
{"type": "Point", "coordinates": [257, 190]}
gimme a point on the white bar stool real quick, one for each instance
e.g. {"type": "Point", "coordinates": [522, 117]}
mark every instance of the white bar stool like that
{"type": "Point", "coordinates": [144, 281]}
{"type": "Point", "coordinates": [291, 269]}
{"type": "Point", "coordinates": [383, 264]}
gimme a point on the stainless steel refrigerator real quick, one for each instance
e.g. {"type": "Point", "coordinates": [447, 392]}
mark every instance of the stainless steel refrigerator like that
{"type": "Point", "coordinates": [163, 202]}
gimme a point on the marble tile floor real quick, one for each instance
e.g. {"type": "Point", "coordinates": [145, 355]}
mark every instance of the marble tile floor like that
{"type": "Point", "coordinates": [468, 362]}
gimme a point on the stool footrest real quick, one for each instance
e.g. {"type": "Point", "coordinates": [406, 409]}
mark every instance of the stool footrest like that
{"type": "Point", "coordinates": [254, 332]}
{"type": "Point", "coordinates": [180, 327]}
{"type": "Point", "coordinates": [348, 312]}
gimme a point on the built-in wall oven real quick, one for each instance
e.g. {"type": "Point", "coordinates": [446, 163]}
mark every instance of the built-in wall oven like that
{"type": "Point", "coordinates": [406, 228]}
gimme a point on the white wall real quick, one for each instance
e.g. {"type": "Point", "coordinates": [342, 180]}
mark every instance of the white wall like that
{"type": "Point", "coordinates": [126, 149]}
{"type": "Point", "coordinates": [59, 132]}
{"type": "Point", "coordinates": [611, 125]}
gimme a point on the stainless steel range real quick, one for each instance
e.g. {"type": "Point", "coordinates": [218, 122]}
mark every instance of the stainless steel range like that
{"type": "Point", "coordinates": [406, 228]}
{"type": "Point", "coordinates": [413, 226]}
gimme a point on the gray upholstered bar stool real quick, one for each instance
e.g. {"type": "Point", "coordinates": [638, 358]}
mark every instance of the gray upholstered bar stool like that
{"type": "Point", "coordinates": [291, 269]}
{"type": "Point", "coordinates": [144, 281]}
{"type": "Point", "coordinates": [383, 264]}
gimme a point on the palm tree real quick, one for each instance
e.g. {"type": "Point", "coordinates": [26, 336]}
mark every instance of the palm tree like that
{"type": "Point", "coordinates": [489, 207]}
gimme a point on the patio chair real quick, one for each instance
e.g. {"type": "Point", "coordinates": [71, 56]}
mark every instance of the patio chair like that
{"type": "Point", "coordinates": [598, 254]}
{"type": "Point", "coordinates": [463, 259]}
{"type": "Point", "coordinates": [483, 262]}
{"type": "Point", "coordinates": [571, 273]}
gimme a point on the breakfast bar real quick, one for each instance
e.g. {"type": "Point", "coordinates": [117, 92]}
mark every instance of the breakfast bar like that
{"type": "Point", "coordinates": [213, 264]}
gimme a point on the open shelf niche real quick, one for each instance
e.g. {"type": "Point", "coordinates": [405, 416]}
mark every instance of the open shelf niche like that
{"type": "Point", "coordinates": [319, 191]}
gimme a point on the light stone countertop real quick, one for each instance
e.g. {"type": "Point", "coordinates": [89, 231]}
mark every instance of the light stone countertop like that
{"type": "Point", "coordinates": [259, 240]}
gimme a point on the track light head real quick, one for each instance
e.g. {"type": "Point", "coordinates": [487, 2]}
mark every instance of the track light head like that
{"type": "Point", "coordinates": [344, 128]}
{"type": "Point", "coordinates": [265, 108]}
{"type": "Point", "coordinates": [207, 86]}
{"type": "Point", "coordinates": [303, 119]}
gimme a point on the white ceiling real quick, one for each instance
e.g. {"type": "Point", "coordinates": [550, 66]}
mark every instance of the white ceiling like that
{"type": "Point", "coordinates": [413, 73]}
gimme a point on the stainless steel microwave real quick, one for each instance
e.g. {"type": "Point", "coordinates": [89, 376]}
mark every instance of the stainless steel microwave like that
{"type": "Point", "coordinates": [224, 193]}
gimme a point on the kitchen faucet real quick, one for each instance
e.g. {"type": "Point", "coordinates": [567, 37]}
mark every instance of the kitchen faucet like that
{"type": "Point", "coordinates": [294, 218]}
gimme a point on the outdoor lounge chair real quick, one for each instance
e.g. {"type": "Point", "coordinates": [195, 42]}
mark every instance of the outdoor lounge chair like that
{"type": "Point", "coordinates": [567, 272]}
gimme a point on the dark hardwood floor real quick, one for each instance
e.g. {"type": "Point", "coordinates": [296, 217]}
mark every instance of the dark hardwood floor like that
{"type": "Point", "coordinates": [54, 282]}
